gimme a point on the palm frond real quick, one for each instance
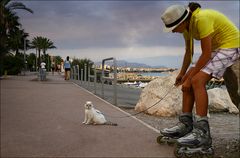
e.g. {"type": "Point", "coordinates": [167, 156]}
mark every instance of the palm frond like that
{"type": "Point", "coordinates": [4, 2]}
{"type": "Point", "coordinates": [18, 5]}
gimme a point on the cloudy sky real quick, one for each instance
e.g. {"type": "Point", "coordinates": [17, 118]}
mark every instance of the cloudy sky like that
{"type": "Point", "coordinates": [126, 30]}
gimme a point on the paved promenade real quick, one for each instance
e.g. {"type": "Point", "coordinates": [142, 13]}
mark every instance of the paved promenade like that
{"type": "Point", "coordinates": [44, 119]}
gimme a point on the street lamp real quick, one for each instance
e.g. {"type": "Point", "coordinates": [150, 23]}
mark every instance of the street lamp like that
{"type": "Point", "coordinates": [24, 57]}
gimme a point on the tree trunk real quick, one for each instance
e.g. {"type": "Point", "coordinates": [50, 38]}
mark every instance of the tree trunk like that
{"type": "Point", "coordinates": [39, 58]}
{"type": "Point", "coordinates": [44, 56]}
{"type": "Point", "coordinates": [17, 52]}
{"type": "Point", "coordinates": [36, 63]}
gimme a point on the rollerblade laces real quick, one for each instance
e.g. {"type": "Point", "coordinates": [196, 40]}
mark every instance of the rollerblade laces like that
{"type": "Point", "coordinates": [183, 127]}
{"type": "Point", "coordinates": [198, 143]}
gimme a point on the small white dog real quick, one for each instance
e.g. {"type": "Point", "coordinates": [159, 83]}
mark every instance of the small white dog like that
{"type": "Point", "coordinates": [94, 116]}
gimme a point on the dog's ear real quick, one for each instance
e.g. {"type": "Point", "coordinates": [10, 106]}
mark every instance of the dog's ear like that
{"type": "Point", "coordinates": [89, 102]}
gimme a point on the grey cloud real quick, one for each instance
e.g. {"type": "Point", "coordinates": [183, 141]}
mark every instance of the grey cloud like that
{"type": "Point", "coordinates": [107, 24]}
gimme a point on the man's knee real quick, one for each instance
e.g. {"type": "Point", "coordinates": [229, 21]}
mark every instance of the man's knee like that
{"type": "Point", "coordinates": [200, 80]}
{"type": "Point", "coordinates": [195, 81]}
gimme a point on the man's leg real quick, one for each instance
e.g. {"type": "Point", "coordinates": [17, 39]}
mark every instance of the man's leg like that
{"type": "Point", "coordinates": [65, 74]}
{"type": "Point", "coordinates": [185, 124]}
{"type": "Point", "coordinates": [188, 102]}
{"type": "Point", "coordinates": [188, 98]}
{"type": "Point", "coordinates": [199, 140]}
{"type": "Point", "coordinates": [199, 82]}
{"type": "Point", "coordinates": [68, 75]}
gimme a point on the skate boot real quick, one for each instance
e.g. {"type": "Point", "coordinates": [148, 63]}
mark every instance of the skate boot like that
{"type": "Point", "coordinates": [198, 143]}
{"type": "Point", "coordinates": [183, 127]}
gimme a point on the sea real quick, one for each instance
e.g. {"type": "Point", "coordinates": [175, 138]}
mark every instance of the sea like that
{"type": "Point", "coordinates": [154, 74]}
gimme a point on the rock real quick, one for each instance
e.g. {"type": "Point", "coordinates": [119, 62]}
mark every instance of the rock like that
{"type": "Point", "coordinates": [161, 89]}
{"type": "Point", "coordinates": [220, 101]}
{"type": "Point", "coordinates": [171, 98]}
{"type": "Point", "coordinates": [232, 81]}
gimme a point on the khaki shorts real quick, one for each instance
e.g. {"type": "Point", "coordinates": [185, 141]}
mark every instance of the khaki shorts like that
{"type": "Point", "coordinates": [221, 59]}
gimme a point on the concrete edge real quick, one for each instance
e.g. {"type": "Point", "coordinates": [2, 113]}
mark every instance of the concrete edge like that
{"type": "Point", "coordinates": [145, 124]}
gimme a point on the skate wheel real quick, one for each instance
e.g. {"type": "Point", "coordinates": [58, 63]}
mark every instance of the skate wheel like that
{"type": "Point", "coordinates": [211, 153]}
{"type": "Point", "coordinates": [188, 155]}
{"type": "Point", "coordinates": [177, 152]}
{"type": "Point", "coordinates": [159, 140]}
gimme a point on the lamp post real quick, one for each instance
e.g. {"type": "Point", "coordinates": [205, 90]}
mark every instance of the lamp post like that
{"type": "Point", "coordinates": [24, 56]}
{"type": "Point", "coordinates": [36, 60]}
{"type": "Point", "coordinates": [49, 62]}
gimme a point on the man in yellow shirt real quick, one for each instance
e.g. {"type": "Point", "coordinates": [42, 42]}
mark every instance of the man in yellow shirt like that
{"type": "Point", "coordinates": [220, 49]}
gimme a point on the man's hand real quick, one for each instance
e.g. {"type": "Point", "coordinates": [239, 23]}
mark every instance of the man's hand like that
{"type": "Point", "coordinates": [178, 80]}
{"type": "Point", "coordinates": [186, 87]}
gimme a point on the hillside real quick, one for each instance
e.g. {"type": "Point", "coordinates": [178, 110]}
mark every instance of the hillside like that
{"type": "Point", "coordinates": [124, 63]}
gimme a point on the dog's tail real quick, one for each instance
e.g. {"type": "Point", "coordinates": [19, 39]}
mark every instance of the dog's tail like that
{"type": "Point", "coordinates": [110, 123]}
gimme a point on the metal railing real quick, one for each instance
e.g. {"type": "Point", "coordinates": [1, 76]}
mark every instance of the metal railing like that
{"type": "Point", "coordinates": [75, 72]}
{"type": "Point", "coordinates": [103, 79]}
{"type": "Point", "coordinates": [94, 77]}
{"type": "Point", "coordinates": [85, 80]}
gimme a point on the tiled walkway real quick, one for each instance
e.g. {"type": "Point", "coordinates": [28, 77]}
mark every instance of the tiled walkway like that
{"type": "Point", "coordinates": [45, 119]}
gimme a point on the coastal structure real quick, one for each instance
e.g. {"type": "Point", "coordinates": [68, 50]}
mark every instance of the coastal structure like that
{"type": "Point", "coordinates": [132, 74]}
{"type": "Point", "coordinates": [132, 77]}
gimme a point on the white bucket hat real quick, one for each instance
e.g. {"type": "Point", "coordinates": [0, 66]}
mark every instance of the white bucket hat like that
{"type": "Point", "coordinates": [173, 16]}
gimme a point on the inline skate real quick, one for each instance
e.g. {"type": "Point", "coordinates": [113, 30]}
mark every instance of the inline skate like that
{"type": "Point", "coordinates": [183, 127]}
{"type": "Point", "coordinates": [197, 144]}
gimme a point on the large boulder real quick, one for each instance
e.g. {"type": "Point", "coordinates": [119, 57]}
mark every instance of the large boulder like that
{"type": "Point", "coordinates": [220, 101]}
{"type": "Point", "coordinates": [232, 81]}
{"type": "Point", "coordinates": [161, 98]}
{"type": "Point", "coordinates": [161, 89]}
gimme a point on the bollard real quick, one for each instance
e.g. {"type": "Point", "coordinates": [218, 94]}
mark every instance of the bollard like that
{"type": "Point", "coordinates": [77, 72]}
{"type": "Point", "coordinates": [88, 77]}
{"type": "Point", "coordinates": [95, 80]}
{"type": "Point", "coordinates": [81, 76]}
{"type": "Point", "coordinates": [115, 81]}
{"type": "Point", "coordinates": [74, 72]}
{"type": "Point", "coordinates": [94, 77]}
{"type": "Point", "coordinates": [85, 72]}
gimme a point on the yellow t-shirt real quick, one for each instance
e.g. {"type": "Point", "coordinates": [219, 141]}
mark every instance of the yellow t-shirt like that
{"type": "Point", "coordinates": [210, 22]}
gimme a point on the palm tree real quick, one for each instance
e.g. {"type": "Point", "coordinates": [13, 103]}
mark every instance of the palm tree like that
{"type": "Point", "coordinates": [9, 21]}
{"type": "Point", "coordinates": [41, 43]}
{"type": "Point", "coordinates": [7, 8]}
{"type": "Point", "coordinates": [46, 44]}
{"type": "Point", "coordinates": [58, 60]}
{"type": "Point", "coordinates": [16, 40]}
{"type": "Point", "coordinates": [36, 43]}
{"type": "Point", "coordinates": [31, 61]}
